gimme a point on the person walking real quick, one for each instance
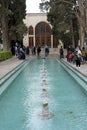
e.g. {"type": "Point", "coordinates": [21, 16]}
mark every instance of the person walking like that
{"type": "Point", "coordinates": [78, 57]}
{"type": "Point", "coordinates": [46, 50]}
{"type": "Point", "coordinates": [83, 55]}
{"type": "Point", "coordinates": [61, 51]}
{"type": "Point", "coordinates": [38, 51]}
{"type": "Point", "coordinates": [34, 50]}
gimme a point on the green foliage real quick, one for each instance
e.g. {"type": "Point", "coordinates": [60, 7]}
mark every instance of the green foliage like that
{"type": "Point", "coordinates": [16, 25]}
{"type": "Point", "coordinates": [60, 15]}
{"type": "Point", "coordinates": [14, 12]}
{"type": "Point", "coordinates": [5, 55]}
{"type": "Point", "coordinates": [45, 5]}
{"type": "Point", "coordinates": [18, 31]}
{"type": "Point", "coordinates": [17, 12]}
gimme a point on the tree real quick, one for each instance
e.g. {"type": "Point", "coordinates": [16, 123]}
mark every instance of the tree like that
{"type": "Point", "coordinates": [4, 23]}
{"type": "Point", "coordinates": [12, 14]}
{"type": "Point", "coordinates": [61, 17]}
{"type": "Point", "coordinates": [16, 26]}
{"type": "Point", "coordinates": [81, 14]}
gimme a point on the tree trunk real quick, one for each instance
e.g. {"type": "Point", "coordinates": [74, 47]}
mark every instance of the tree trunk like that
{"type": "Point", "coordinates": [4, 22]}
{"type": "Point", "coordinates": [5, 40]}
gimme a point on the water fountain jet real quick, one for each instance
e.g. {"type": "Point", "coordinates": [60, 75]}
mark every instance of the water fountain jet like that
{"type": "Point", "coordinates": [44, 93]}
{"type": "Point", "coordinates": [45, 114]}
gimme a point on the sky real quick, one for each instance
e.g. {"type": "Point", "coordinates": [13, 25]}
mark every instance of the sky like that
{"type": "Point", "coordinates": [32, 6]}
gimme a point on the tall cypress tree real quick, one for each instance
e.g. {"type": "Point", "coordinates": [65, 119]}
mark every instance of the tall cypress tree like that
{"type": "Point", "coordinates": [12, 13]}
{"type": "Point", "coordinates": [4, 23]}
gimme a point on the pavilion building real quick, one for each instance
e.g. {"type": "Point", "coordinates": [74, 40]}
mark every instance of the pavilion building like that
{"type": "Point", "coordinates": [39, 31]}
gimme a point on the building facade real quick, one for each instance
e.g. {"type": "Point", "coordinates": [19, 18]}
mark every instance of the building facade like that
{"type": "Point", "coordinates": [39, 31]}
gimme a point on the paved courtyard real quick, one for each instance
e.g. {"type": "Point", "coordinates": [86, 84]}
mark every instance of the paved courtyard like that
{"type": "Point", "coordinates": [10, 64]}
{"type": "Point", "coordinates": [82, 69]}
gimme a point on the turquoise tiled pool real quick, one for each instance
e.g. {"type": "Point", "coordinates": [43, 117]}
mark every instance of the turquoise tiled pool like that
{"type": "Point", "coordinates": [22, 102]}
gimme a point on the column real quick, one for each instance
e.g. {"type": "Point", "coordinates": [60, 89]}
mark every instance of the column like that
{"type": "Point", "coordinates": [34, 36]}
{"type": "Point", "coordinates": [51, 41]}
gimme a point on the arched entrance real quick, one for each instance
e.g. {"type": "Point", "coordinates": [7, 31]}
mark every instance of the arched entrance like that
{"type": "Point", "coordinates": [43, 34]}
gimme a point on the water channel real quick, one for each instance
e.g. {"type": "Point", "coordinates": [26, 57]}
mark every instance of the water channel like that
{"type": "Point", "coordinates": [43, 97]}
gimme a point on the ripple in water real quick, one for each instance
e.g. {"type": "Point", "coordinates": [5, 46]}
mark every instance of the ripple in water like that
{"type": "Point", "coordinates": [44, 93]}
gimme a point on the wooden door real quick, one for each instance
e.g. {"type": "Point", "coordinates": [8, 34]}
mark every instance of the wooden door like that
{"type": "Point", "coordinates": [31, 42]}
{"type": "Point", "coordinates": [43, 34]}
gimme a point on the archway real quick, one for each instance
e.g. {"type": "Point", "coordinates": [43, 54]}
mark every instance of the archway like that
{"type": "Point", "coordinates": [43, 34]}
{"type": "Point", "coordinates": [30, 32]}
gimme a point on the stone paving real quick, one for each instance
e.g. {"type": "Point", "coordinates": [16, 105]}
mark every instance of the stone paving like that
{"type": "Point", "coordinates": [10, 64]}
{"type": "Point", "coordinates": [82, 69]}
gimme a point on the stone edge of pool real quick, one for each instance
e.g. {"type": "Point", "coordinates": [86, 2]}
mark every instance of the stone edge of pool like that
{"type": "Point", "coordinates": [10, 77]}
{"type": "Point", "coordinates": [77, 75]}
{"type": "Point", "coordinates": [80, 78]}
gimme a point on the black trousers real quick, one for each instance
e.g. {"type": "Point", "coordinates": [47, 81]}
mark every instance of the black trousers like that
{"type": "Point", "coordinates": [78, 62]}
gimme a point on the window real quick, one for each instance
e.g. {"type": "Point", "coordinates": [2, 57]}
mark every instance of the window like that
{"type": "Point", "coordinates": [30, 30]}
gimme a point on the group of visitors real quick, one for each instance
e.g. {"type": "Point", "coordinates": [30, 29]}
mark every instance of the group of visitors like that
{"type": "Point", "coordinates": [21, 54]}
{"type": "Point", "coordinates": [46, 50]}
{"type": "Point", "coordinates": [20, 51]}
{"type": "Point", "coordinates": [37, 50]}
{"type": "Point", "coordinates": [77, 55]}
